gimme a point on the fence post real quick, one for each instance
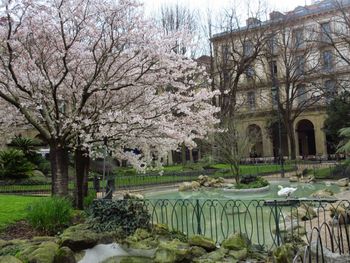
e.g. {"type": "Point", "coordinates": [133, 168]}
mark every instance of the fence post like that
{"type": "Point", "coordinates": [277, 224]}
{"type": "Point", "coordinates": [198, 217]}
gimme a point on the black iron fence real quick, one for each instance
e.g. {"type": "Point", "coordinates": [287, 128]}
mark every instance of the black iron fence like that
{"type": "Point", "coordinates": [268, 224]}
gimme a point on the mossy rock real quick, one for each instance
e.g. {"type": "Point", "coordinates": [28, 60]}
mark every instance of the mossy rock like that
{"type": "Point", "coordinates": [160, 229]}
{"type": "Point", "coordinates": [201, 241]}
{"type": "Point", "coordinates": [9, 259]}
{"type": "Point", "coordinates": [79, 237]}
{"type": "Point", "coordinates": [173, 251]}
{"type": "Point", "coordinates": [239, 254]}
{"type": "Point", "coordinates": [132, 260]}
{"type": "Point", "coordinates": [64, 254]}
{"type": "Point", "coordinates": [214, 256]}
{"type": "Point", "coordinates": [323, 193]}
{"type": "Point", "coordinates": [141, 234]}
{"type": "Point", "coordinates": [284, 254]}
{"type": "Point", "coordinates": [236, 241]}
{"type": "Point", "coordinates": [43, 253]}
{"type": "Point", "coordinates": [304, 212]}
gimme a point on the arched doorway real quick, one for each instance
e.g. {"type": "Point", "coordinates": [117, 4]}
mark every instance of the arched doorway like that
{"type": "Point", "coordinates": [306, 138]}
{"type": "Point", "coordinates": [274, 133]}
{"type": "Point", "coordinates": [255, 139]}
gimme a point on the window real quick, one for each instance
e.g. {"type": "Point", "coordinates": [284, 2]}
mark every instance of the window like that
{"type": "Point", "coordinates": [301, 94]}
{"type": "Point", "coordinates": [248, 48]}
{"type": "Point", "coordinates": [250, 72]}
{"type": "Point", "coordinates": [326, 32]}
{"type": "Point", "coordinates": [298, 36]}
{"type": "Point", "coordinates": [327, 59]}
{"type": "Point", "coordinates": [224, 50]}
{"type": "Point", "coordinates": [251, 100]}
{"type": "Point", "coordinates": [272, 44]}
{"type": "Point", "coordinates": [300, 66]}
{"type": "Point", "coordinates": [273, 68]}
{"type": "Point", "coordinates": [330, 90]}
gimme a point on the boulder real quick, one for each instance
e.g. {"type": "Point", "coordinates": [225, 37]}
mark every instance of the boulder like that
{"type": "Point", "coordinates": [130, 260]}
{"type": "Point", "coordinates": [311, 179]}
{"type": "Point", "coordinates": [344, 182]}
{"type": "Point", "coordinates": [201, 241]}
{"type": "Point", "coordinates": [195, 185]}
{"type": "Point", "coordinates": [172, 251]}
{"type": "Point", "coordinates": [185, 186]}
{"type": "Point", "coordinates": [64, 254]}
{"type": "Point", "coordinates": [79, 237]}
{"type": "Point", "coordinates": [9, 259]}
{"type": "Point", "coordinates": [304, 212]}
{"type": "Point", "coordinates": [140, 240]}
{"type": "Point", "coordinates": [44, 253]}
{"type": "Point", "coordinates": [214, 256]}
{"type": "Point", "coordinates": [197, 252]}
{"type": "Point", "coordinates": [133, 196]}
{"type": "Point", "coordinates": [323, 193]}
{"type": "Point", "coordinates": [236, 242]}
{"type": "Point", "coordinates": [293, 179]}
{"type": "Point", "coordinates": [239, 254]}
{"type": "Point", "coordinates": [202, 179]}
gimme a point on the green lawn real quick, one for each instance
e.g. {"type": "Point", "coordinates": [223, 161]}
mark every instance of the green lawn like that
{"type": "Point", "coordinates": [13, 208]}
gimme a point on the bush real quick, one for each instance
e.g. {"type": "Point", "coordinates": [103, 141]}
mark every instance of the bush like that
{"type": "Point", "coordinates": [108, 215]}
{"type": "Point", "coordinates": [50, 215]}
{"type": "Point", "coordinates": [89, 198]}
{"type": "Point", "coordinates": [14, 165]}
{"type": "Point", "coordinates": [258, 183]}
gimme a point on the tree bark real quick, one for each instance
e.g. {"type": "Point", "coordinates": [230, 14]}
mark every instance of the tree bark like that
{"type": "Point", "coordinates": [82, 163]}
{"type": "Point", "coordinates": [183, 154]}
{"type": "Point", "coordinates": [59, 169]}
{"type": "Point", "coordinates": [291, 137]}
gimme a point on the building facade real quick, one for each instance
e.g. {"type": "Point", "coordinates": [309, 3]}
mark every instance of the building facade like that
{"type": "Point", "coordinates": [284, 72]}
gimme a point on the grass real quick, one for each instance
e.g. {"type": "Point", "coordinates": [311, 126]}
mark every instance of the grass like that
{"type": "Point", "coordinates": [14, 208]}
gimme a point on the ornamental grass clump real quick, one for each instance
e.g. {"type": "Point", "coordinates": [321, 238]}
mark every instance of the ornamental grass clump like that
{"type": "Point", "coordinates": [50, 215]}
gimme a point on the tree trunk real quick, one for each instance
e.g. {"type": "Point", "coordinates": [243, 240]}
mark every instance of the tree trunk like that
{"type": "Point", "coordinates": [291, 137]}
{"type": "Point", "coordinates": [59, 169]}
{"type": "Point", "coordinates": [82, 162]}
{"type": "Point", "coordinates": [183, 154]}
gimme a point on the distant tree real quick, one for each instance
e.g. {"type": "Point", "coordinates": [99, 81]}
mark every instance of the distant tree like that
{"type": "Point", "coordinates": [338, 117]}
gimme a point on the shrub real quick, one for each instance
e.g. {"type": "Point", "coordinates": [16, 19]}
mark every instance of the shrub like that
{"type": "Point", "coordinates": [89, 198]}
{"type": "Point", "coordinates": [258, 183]}
{"type": "Point", "coordinates": [108, 215]}
{"type": "Point", "coordinates": [14, 165]}
{"type": "Point", "coordinates": [50, 215]}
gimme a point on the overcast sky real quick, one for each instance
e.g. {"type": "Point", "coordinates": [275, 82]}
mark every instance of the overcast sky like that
{"type": "Point", "coordinates": [280, 5]}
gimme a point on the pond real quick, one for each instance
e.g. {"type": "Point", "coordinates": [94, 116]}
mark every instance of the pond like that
{"type": "Point", "coordinates": [216, 213]}
{"type": "Point", "coordinates": [304, 190]}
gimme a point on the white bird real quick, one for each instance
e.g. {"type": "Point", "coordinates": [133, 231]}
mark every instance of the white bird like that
{"type": "Point", "coordinates": [285, 191]}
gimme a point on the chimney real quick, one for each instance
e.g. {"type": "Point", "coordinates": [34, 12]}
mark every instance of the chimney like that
{"type": "Point", "coordinates": [274, 15]}
{"type": "Point", "coordinates": [252, 21]}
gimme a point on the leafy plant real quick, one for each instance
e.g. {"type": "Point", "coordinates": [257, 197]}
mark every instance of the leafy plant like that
{"type": "Point", "coordinates": [50, 215]}
{"type": "Point", "coordinates": [257, 183]}
{"type": "Point", "coordinates": [14, 165]}
{"type": "Point", "coordinates": [109, 215]}
{"type": "Point", "coordinates": [89, 198]}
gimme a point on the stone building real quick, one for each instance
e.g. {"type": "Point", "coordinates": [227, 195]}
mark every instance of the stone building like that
{"type": "Point", "coordinates": [294, 54]}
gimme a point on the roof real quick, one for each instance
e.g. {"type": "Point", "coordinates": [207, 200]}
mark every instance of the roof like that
{"type": "Point", "coordinates": [301, 11]}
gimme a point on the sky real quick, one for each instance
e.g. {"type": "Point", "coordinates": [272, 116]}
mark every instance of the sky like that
{"type": "Point", "coordinates": [214, 5]}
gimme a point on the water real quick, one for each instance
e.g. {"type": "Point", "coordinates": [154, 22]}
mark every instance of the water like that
{"type": "Point", "coordinates": [216, 213]}
{"type": "Point", "coordinates": [304, 190]}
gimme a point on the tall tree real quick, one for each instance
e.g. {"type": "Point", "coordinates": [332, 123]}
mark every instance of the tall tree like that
{"type": "Point", "coordinates": [80, 71]}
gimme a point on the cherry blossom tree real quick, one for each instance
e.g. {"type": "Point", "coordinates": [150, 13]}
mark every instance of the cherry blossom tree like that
{"type": "Point", "coordinates": [83, 71]}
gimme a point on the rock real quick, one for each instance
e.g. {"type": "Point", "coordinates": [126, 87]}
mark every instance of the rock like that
{"type": "Point", "coordinates": [283, 254]}
{"type": "Point", "coordinates": [9, 259]}
{"type": "Point", "coordinates": [324, 193]}
{"type": "Point", "coordinates": [202, 179]}
{"type": "Point", "coordinates": [133, 196]}
{"type": "Point", "coordinates": [79, 237]}
{"type": "Point", "coordinates": [131, 260]}
{"type": "Point", "coordinates": [201, 241]}
{"type": "Point", "coordinates": [311, 179]}
{"type": "Point", "coordinates": [195, 185]}
{"type": "Point", "coordinates": [293, 179]}
{"type": "Point", "coordinates": [215, 256]}
{"type": "Point", "coordinates": [172, 251]}
{"type": "Point", "coordinates": [221, 180]}
{"type": "Point", "coordinates": [160, 229]}
{"type": "Point", "coordinates": [197, 252]}
{"type": "Point", "coordinates": [236, 241]}
{"type": "Point", "coordinates": [64, 254]}
{"type": "Point", "coordinates": [344, 182]}
{"type": "Point", "coordinates": [185, 186]}
{"type": "Point", "coordinates": [304, 212]}
{"type": "Point", "coordinates": [45, 253]}
{"type": "Point", "coordinates": [239, 254]}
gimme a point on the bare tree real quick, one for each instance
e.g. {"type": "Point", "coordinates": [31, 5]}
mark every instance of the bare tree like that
{"type": "Point", "coordinates": [291, 65]}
